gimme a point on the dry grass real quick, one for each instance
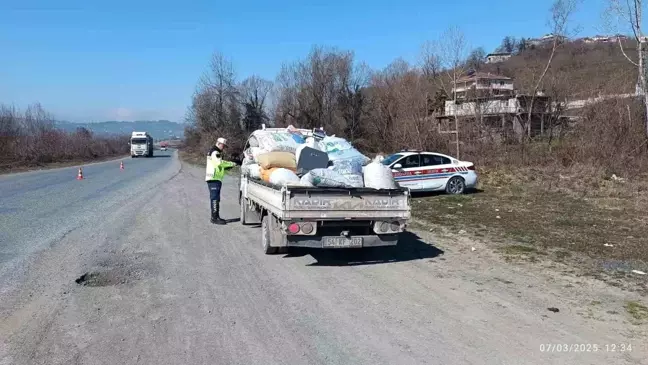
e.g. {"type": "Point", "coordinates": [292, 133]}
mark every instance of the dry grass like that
{"type": "Point", "coordinates": [192, 158]}
{"type": "Point", "coordinates": [569, 219]}
{"type": "Point", "coordinates": [30, 140]}
{"type": "Point", "coordinates": [637, 311]}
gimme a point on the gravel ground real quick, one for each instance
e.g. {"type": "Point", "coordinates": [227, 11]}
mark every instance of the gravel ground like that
{"type": "Point", "coordinates": [125, 268]}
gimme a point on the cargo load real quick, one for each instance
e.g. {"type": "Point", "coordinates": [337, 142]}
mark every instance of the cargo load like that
{"type": "Point", "coordinates": [331, 161]}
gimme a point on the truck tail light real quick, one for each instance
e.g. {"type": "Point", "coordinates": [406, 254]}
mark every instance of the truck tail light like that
{"type": "Point", "coordinates": [307, 228]}
{"type": "Point", "coordinates": [387, 227]}
{"type": "Point", "coordinates": [300, 228]}
{"type": "Point", "coordinates": [293, 228]}
{"type": "Point", "coordinates": [384, 227]}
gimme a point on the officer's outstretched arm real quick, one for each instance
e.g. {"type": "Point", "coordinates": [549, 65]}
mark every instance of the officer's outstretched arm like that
{"type": "Point", "coordinates": [227, 164]}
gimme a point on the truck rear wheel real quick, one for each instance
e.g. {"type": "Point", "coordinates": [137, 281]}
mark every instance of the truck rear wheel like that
{"type": "Point", "coordinates": [243, 209]}
{"type": "Point", "coordinates": [266, 235]}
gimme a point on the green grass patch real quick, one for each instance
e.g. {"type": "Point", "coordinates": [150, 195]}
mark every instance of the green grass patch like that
{"type": "Point", "coordinates": [518, 250]}
{"type": "Point", "coordinates": [637, 311]}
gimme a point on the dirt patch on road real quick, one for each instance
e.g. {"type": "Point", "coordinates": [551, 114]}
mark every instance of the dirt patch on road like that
{"type": "Point", "coordinates": [117, 269]}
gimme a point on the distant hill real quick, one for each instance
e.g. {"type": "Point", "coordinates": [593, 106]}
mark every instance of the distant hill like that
{"type": "Point", "coordinates": [160, 129]}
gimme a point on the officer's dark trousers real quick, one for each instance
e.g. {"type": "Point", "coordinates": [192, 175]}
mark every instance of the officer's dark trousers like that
{"type": "Point", "coordinates": [214, 192]}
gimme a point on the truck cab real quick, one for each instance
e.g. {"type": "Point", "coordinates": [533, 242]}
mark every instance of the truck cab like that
{"type": "Point", "coordinates": [141, 144]}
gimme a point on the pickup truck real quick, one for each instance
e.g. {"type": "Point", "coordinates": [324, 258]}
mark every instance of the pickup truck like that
{"type": "Point", "coordinates": [317, 217]}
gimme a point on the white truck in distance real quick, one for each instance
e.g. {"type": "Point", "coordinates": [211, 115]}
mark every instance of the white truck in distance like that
{"type": "Point", "coordinates": [320, 217]}
{"type": "Point", "coordinates": [141, 144]}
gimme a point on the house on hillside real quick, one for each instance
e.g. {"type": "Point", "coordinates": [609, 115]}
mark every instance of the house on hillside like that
{"type": "Point", "coordinates": [604, 38]}
{"type": "Point", "coordinates": [479, 83]}
{"type": "Point", "coordinates": [546, 39]}
{"type": "Point", "coordinates": [497, 57]}
{"type": "Point", "coordinates": [491, 102]}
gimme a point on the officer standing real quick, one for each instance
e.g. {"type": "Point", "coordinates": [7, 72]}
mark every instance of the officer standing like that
{"type": "Point", "coordinates": [214, 173]}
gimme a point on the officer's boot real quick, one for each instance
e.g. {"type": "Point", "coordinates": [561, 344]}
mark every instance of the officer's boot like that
{"type": "Point", "coordinates": [215, 216]}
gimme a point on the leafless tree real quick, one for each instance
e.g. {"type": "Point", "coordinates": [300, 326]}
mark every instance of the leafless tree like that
{"type": "Point", "coordinates": [561, 12]}
{"type": "Point", "coordinates": [216, 109]}
{"type": "Point", "coordinates": [430, 61]}
{"type": "Point", "coordinates": [352, 100]}
{"type": "Point", "coordinates": [254, 93]}
{"type": "Point", "coordinates": [630, 14]}
{"type": "Point", "coordinates": [30, 138]}
{"type": "Point", "coordinates": [476, 59]}
{"type": "Point", "coordinates": [217, 87]}
{"type": "Point", "coordinates": [509, 45]}
{"type": "Point", "coordinates": [453, 52]}
{"type": "Point", "coordinates": [309, 91]}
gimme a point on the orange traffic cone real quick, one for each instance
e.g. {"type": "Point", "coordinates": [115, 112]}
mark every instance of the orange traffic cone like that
{"type": "Point", "coordinates": [80, 175]}
{"type": "Point", "coordinates": [121, 165]}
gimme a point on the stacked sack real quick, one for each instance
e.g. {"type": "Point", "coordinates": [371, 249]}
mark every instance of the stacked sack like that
{"type": "Point", "coordinates": [278, 168]}
{"type": "Point", "coordinates": [269, 152]}
{"type": "Point", "coordinates": [345, 160]}
{"type": "Point", "coordinates": [273, 156]}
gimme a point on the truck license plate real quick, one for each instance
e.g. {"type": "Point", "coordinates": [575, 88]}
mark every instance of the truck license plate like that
{"type": "Point", "coordinates": [341, 242]}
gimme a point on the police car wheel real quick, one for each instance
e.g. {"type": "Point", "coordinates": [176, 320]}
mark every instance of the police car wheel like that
{"type": "Point", "coordinates": [456, 185]}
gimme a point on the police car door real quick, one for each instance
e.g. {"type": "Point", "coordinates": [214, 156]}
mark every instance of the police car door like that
{"type": "Point", "coordinates": [406, 172]}
{"type": "Point", "coordinates": [437, 170]}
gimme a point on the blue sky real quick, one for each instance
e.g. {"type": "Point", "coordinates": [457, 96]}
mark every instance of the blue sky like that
{"type": "Point", "coordinates": [140, 59]}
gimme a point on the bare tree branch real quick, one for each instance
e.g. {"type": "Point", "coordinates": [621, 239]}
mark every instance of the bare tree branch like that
{"type": "Point", "coordinates": [632, 15]}
{"type": "Point", "coordinates": [561, 11]}
{"type": "Point", "coordinates": [624, 53]}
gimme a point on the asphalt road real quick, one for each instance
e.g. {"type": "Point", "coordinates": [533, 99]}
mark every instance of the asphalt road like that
{"type": "Point", "coordinates": [38, 208]}
{"type": "Point", "coordinates": [125, 268]}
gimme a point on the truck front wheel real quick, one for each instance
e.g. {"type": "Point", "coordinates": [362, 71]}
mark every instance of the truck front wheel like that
{"type": "Point", "coordinates": [266, 235]}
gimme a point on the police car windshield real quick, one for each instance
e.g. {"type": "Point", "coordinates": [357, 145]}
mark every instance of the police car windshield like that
{"type": "Point", "coordinates": [391, 159]}
{"type": "Point", "coordinates": [139, 141]}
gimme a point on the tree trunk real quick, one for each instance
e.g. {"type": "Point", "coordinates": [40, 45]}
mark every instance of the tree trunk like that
{"type": "Point", "coordinates": [642, 78]}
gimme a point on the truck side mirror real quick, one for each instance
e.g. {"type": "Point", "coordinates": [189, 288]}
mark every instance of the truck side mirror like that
{"type": "Point", "coordinates": [397, 166]}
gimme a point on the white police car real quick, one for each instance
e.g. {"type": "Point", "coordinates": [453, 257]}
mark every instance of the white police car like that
{"type": "Point", "coordinates": [429, 171]}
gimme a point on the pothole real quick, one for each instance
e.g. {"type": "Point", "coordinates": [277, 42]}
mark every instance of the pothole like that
{"type": "Point", "coordinates": [102, 278]}
{"type": "Point", "coordinates": [113, 270]}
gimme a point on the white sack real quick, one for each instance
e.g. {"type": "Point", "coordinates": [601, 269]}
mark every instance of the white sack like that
{"type": "Point", "coordinates": [284, 177]}
{"type": "Point", "coordinates": [329, 178]}
{"type": "Point", "coordinates": [253, 142]}
{"type": "Point", "coordinates": [347, 166]}
{"type": "Point", "coordinates": [354, 180]}
{"type": "Point", "coordinates": [334, 144]}
{"type": "Point", "coordinates": [277, 141]}
{"type": "Point", "coordinates": [253, 152]}
{"type": "Point", "coordinates": [379, 176]}
{"type": "Point", "coordinates": [306, 180]}
{"type": "Point", "coordinates": [252, 170]}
